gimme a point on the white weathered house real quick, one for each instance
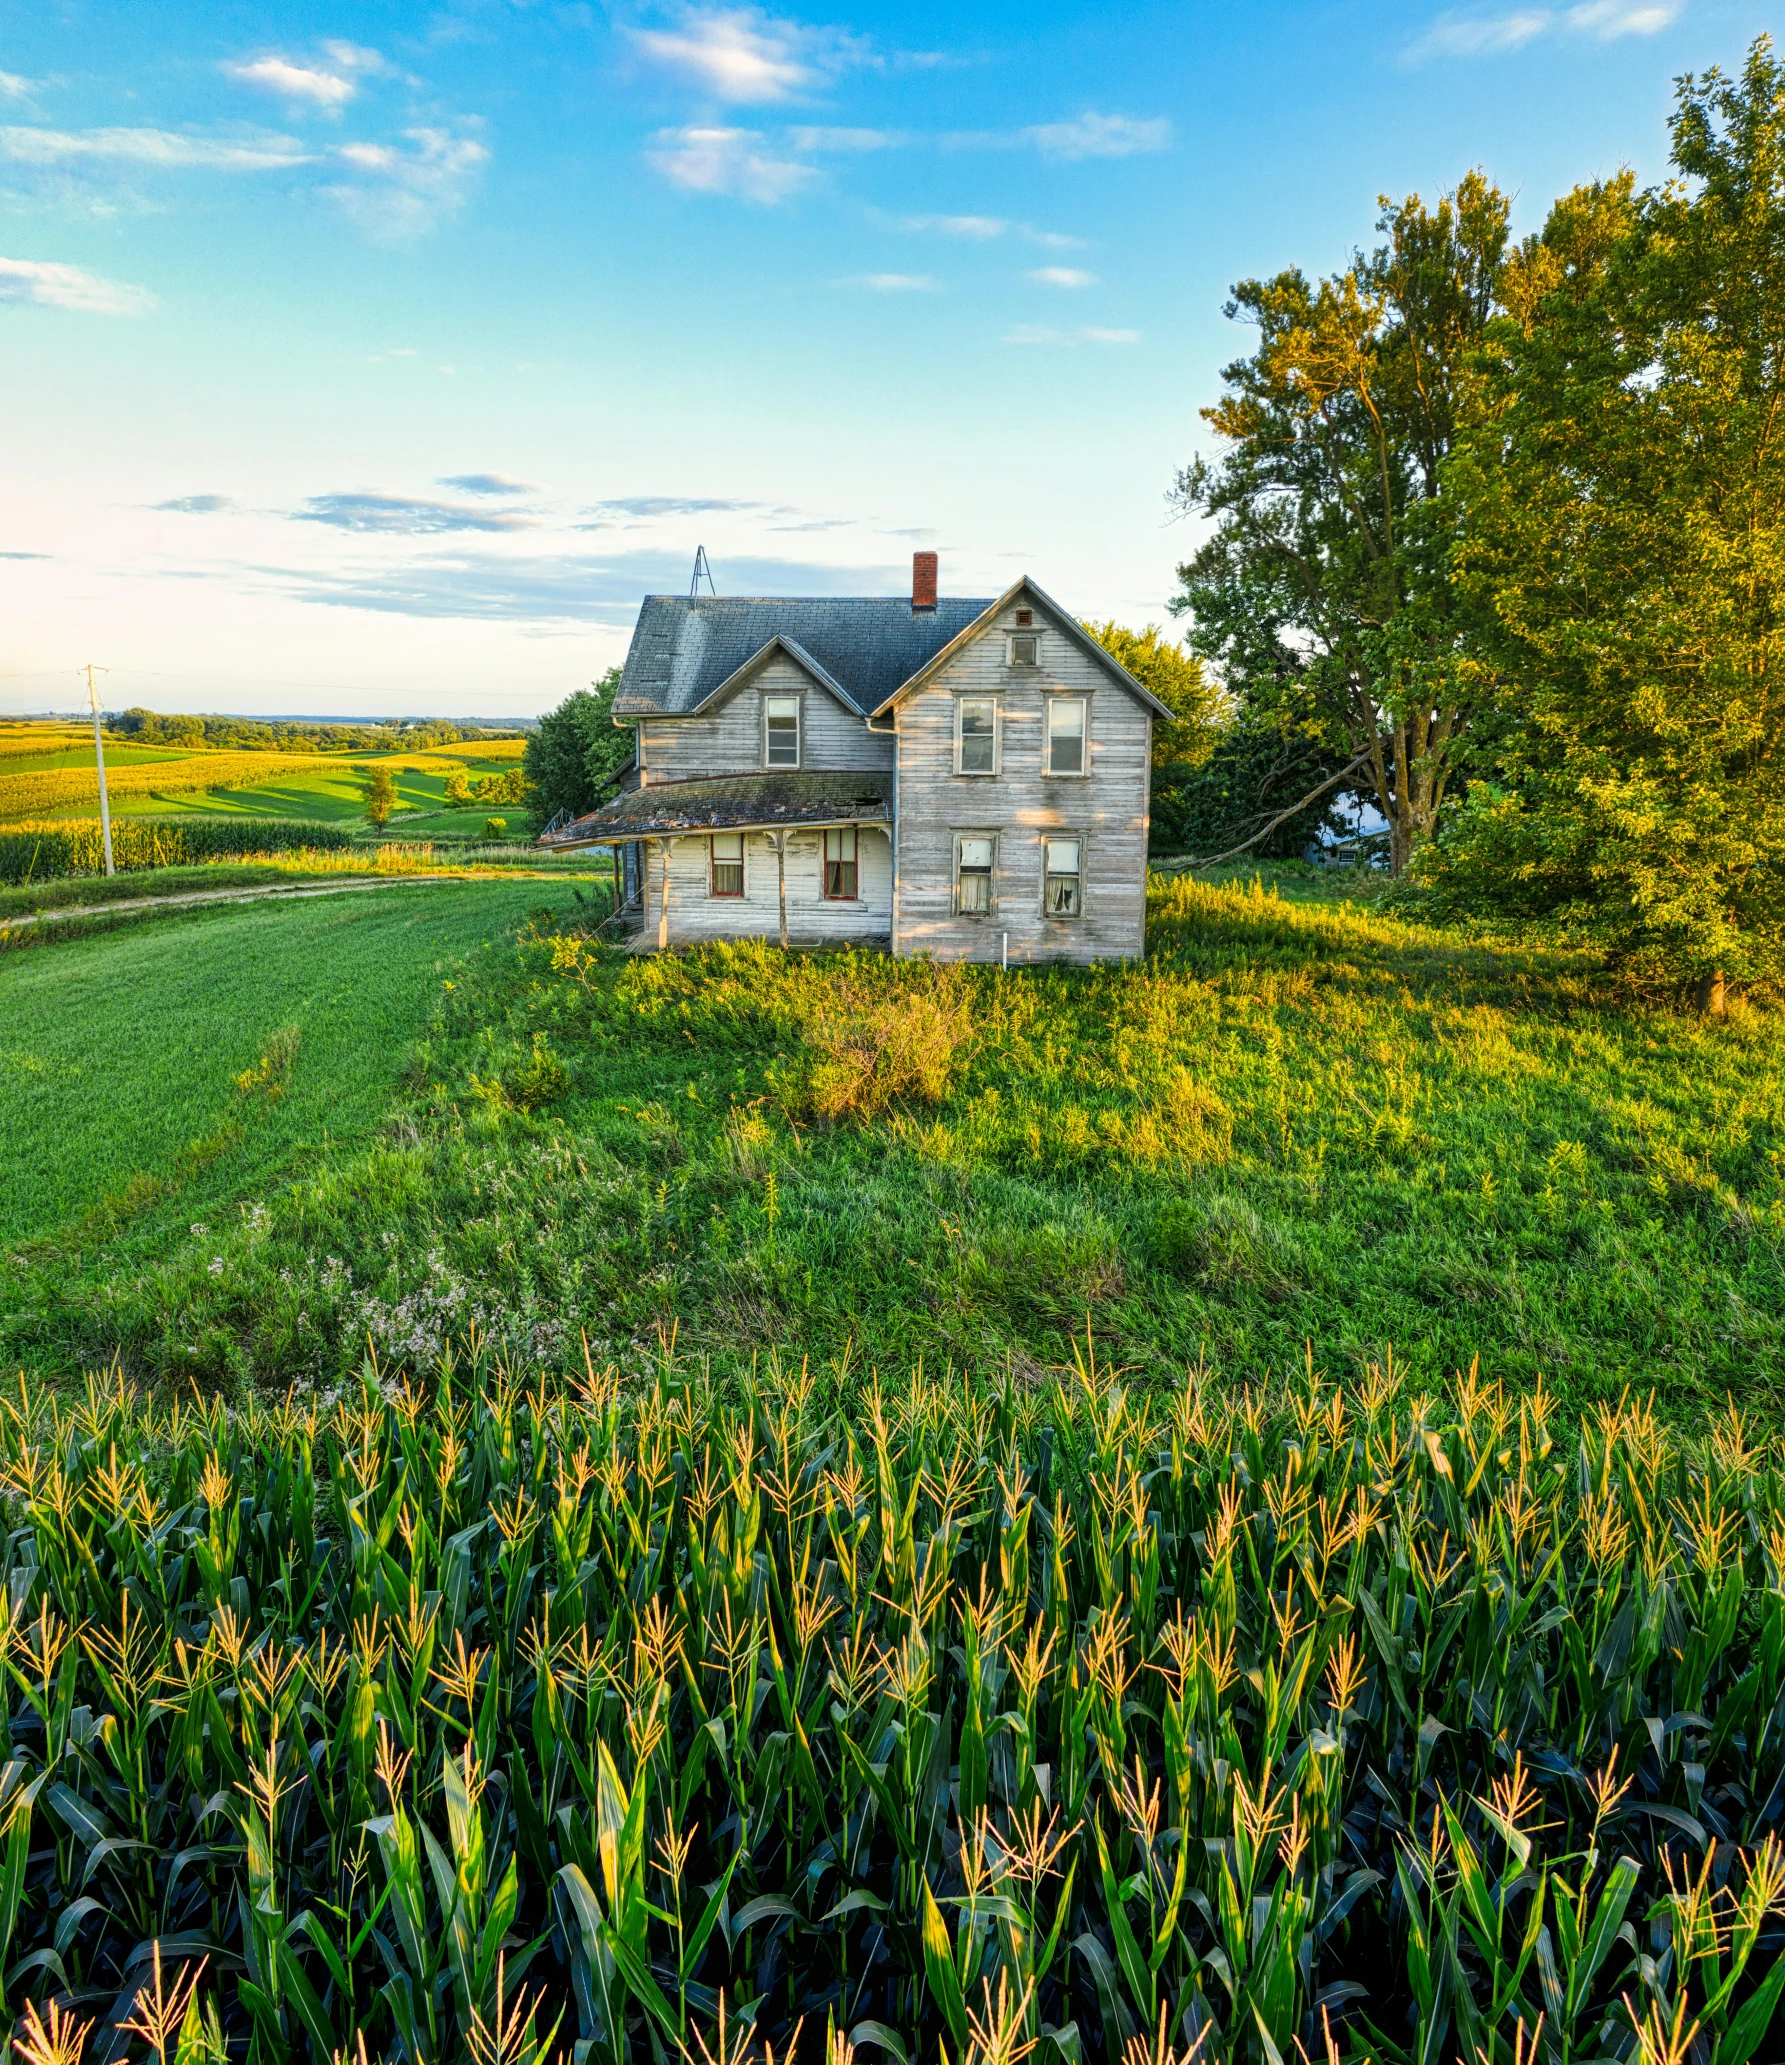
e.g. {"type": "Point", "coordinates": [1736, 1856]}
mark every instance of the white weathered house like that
{"type": "Point", "coordinates": [967, 779]}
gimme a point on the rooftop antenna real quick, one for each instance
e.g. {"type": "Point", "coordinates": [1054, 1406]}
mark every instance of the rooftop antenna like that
{"type": "Point", "coordinates": [702, 565]}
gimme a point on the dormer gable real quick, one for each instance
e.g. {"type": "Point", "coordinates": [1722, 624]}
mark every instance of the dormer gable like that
{"type": "Point", "coordinates": [1004, 618]}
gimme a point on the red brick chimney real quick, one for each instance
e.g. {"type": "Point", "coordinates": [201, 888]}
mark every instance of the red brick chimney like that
{"type": "Point", "coordinates": [923, 580]}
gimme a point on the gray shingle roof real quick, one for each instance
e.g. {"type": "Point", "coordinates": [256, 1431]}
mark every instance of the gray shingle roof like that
{"type": "Point", "coordinates": [683, 648]}
{"type": "Point", "coordinates": [728, 802]}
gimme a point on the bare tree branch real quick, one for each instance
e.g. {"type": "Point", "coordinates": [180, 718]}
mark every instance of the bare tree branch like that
{"type": "Point", "coordinates": [1265, 830]}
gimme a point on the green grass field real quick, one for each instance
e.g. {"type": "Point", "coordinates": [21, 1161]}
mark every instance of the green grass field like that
{"type": "Point", "coordinates": [1300, 1120]}
{"type": "Point", "coordinates": [120, 1055]}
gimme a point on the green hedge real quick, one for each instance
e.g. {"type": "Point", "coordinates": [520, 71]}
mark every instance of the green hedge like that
{"type": "Point", "coordinates": [42, 853]}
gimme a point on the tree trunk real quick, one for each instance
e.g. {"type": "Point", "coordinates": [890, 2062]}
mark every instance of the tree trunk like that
{"type": "Point", "coordinates": [1710, 996]}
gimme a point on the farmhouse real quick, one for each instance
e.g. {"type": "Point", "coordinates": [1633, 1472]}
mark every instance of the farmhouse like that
{"type": "Point", "coordinates": [962, 778]}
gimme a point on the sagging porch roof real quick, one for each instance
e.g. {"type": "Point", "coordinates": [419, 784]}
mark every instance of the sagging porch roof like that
{"type": "Point", "coordinates": [734, 803]}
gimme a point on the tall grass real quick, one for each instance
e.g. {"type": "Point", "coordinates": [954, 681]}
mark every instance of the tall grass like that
{"type": "Point", "coordinates": [494, 1718]}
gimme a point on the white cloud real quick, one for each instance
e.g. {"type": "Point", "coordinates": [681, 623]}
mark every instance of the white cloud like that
{"type": "Point", "coordinates": [294, 81]}
{"type": "Point", "coordinates": [977, 228]}
{"type": "Point", "coordinates": [1063, 340]}
{"type": "Point", "coordinates": [743, 55]}
{"type": "Point", "coordinates": [397, 193]}
{"type": "Point", "coordinates": [1100, 136]}
{"type": "Point", "coordinates": [49, 285]}
{"type": "Point", "coordinates": [1062, 276]}
{"type": "Point", "coordinates": [14, 85]}
{"type": "Point", "coordinates": [739, 162]}
{"type": "Point", "coordinates": [169, 148]}
{"type": "Point", "coordinates": [845, 139]}
{"type": "Point", "coordinates": [1608, 19]}
{"type": "Point", "coordinates": [898, 282]}
{"type": "Point", "coordinates": [1495, 35]}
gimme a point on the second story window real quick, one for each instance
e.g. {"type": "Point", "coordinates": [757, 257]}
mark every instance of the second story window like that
{"type": "Point", "coordinates": [1065, 735]}
{"type": "Point", "coordinates": [839, 864]}
{"type": "Point", "coordinates": [781, 731]}
{"type": "Point", "coordinates": [976, 735]}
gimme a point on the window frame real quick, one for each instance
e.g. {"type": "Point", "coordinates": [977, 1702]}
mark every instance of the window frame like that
{"type": "Point", "coordinates": [853, 863]}
{"type": "Point", "coordinates": [714, 864]}
{"type": "Point", "coordinates": [1048, 839]}
{"type": "Point", "coordinates": [799, 732]}
{"type": "Point", "coordinates": [1048, 769]}
{"type": "Point", "coordinates": [978, 774]}
{"type": "Point", "coordinates": [1029, 636]}
{"type": "Point", "coordinates": [991, 908]}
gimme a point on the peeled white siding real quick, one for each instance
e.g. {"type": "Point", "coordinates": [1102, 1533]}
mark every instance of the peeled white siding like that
{"type": "Point", "coordinates": [696, 914]}
{"type": "Point", "coordinates": [1107, 809]}
{"type": "Point", "coordinates": [729, 741]}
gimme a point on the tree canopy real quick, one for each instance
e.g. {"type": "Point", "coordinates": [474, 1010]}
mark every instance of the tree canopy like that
{"type": "Point", "coordinates": [576, 757]}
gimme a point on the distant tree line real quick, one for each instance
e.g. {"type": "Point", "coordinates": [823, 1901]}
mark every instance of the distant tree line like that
{"type": "Point", "coordinates": [1496, 536]}
{"type": "Point", "coordinates": [283, 735]}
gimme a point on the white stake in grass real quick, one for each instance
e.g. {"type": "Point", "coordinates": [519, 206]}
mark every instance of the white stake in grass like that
{"type": "Point", "coordinates": [105, 808]}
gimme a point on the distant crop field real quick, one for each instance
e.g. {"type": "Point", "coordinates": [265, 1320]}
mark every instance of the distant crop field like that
{"type": "Point", "coordinates": [47, 771]}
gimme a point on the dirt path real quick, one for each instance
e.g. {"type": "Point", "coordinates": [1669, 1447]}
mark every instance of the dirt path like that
{"type": "Point", "coordinates": [274, 893]}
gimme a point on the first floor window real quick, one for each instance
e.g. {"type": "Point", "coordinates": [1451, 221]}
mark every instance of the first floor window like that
{"type": "Point", "coordinates": [728, 863]}
{"type": "Point", "coordinates": [977, 746]}
{"type": "Point", "coordinates": [839, 863]}
{"type": "Point", "coordinates": [973, 876]}
{"type": "Point", "coordinates": [781, 731]}
{"type": "Point", "coordinates": [1063, 894]}
{"type": "Point", "coordinates": [1065, 735]}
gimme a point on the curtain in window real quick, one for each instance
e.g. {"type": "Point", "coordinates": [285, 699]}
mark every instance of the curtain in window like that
{"type": "Point", "coordinates": [839, 863]}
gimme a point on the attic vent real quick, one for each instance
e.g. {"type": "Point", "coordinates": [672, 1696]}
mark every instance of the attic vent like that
{"type": "Point", "coordinates": [1025, 616]}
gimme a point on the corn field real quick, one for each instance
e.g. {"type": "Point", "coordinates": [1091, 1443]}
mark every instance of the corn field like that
{"type": "Point", "coordinates": [47, 852]}
{"type": "Point", "coordinates": [504, 1719]}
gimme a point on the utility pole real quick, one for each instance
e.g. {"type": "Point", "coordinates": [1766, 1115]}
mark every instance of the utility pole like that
{"type": "Point", "coordinates": [105, 808]}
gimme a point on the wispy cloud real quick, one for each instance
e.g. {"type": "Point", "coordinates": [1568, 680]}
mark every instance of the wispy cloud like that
{"type": "Point", "coordinates": [488, 484]}
{"type": "Point", "coordinates": [820, 140]}
{"type": "Point", "coordinates": [1062, 276]}
{"type": "Point", "coordinates": [1045, 334]}
{"type": "Point", "coordinates": [309, 83]}
{"type": "Point", "coordinates": [896, 282]}
{"type": "Point", "coordinates": [197, 505]}
{"type": "Point", "coordinates": [739, 162]}
{"type": "Point", "coordinates": [70, 287]}
{"type": "Point", "coordinates": [977, 228]}
{"type": "Point", "coordinates": [168, 148]}
{"type": "Point", "coordinates": [741, 55]}
{"type": "Point", "coordinates": [509, 588]}
{"type": "Point", "coordinates": [14, 85]}
{"type": "Point", "coordinates": [645, 507]}
{"type": "Point", "coordinates": [406, 515]}
{"type": "Point", "coordinates": [395, 192]}
{"type": "Point", "coordinates": [1100, 136]}
{"type": "Point", "coordinates": [1467, 35]}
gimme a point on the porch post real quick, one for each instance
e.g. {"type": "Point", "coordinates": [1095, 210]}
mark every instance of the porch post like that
{"type": "Point", "coordinates": [780, 839]}
{"type": "Point", "coordinates": [663, 846]}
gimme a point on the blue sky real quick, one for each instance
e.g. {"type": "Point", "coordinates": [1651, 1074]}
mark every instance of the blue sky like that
{"type": "Point", "coordinates": [377, 359]}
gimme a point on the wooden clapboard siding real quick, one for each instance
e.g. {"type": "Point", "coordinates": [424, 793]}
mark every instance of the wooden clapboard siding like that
{"type": "Point", "coordinates": [1107, 808]}
{"type": "Point", "coordinates": [729, 739]}
{"type": "Point", "coordinates": [695, 913]}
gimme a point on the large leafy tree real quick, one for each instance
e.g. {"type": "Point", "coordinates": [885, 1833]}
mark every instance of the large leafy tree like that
{"type": "Point", "coordinates": [578, 754]}
{"type": "Point", "coordinates": [1322, 592]}
{"type": "Point", "coordinates": [1623, 546]}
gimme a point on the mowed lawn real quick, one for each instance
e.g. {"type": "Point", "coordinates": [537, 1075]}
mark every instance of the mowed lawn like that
{"type": "Point", "coordinates": [119, 1053]}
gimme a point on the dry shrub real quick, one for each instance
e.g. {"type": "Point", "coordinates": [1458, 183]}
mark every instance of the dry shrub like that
{"type": "Point", "coordinates": [869, 1048]}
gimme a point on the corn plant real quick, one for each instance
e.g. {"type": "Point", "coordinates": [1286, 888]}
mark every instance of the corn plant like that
{"type": "Point", "coordinates": [503, 1718]}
